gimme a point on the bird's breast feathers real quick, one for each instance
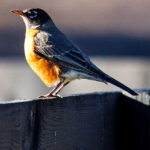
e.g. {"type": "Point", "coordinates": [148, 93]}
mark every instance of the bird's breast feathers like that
{"type": "Point", "coordinates": [46, 70]}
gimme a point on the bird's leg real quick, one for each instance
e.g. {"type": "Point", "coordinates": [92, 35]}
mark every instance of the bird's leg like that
{"type": "Point", "coordinates": [55, 93]}
{"type": "Point", "coordinates": [56, 90]}
{"type": "Point", "coordinates": [51, 92]}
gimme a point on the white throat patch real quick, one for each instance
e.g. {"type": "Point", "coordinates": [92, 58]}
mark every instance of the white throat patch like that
{"type": "Point", "coordinates": [27, 23]}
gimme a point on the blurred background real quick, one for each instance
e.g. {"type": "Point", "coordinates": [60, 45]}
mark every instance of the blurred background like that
{"type": "Point", "coordinates": [115, 34]}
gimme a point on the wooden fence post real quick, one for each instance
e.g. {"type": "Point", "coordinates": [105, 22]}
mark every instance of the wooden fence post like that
{"type": "Point", "coordinates": [98, 121]}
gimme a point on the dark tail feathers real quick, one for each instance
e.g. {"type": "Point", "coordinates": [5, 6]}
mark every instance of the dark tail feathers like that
{"type": "Point", "coordinates": [120, 85]}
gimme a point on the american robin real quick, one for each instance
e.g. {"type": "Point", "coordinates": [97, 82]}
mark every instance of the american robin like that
{"type": "Point", "coordinates": [54, 58]}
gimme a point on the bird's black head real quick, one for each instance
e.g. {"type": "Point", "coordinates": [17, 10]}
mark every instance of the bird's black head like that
{"type": "Point", "coordinates": [34, 17]}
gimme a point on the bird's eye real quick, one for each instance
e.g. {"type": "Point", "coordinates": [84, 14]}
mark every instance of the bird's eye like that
{"type": "Point", "coordinates": [32, 14]}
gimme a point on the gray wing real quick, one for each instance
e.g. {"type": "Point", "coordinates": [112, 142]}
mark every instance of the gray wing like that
{"type": "Point", "coordinates": [57, 48]}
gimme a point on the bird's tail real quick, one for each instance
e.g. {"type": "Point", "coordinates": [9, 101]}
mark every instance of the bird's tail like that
{"type": "Point", "coordinates": [103, 77]}
{"type": "Point", "coordinates": [118, 84]}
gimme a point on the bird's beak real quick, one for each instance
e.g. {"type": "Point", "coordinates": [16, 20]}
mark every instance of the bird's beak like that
{"type": "Point", "coordinates": [18, 12]}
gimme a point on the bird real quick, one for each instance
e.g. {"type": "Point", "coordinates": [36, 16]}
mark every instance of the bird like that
{"type": "Point", "coordinates": [54, 57]}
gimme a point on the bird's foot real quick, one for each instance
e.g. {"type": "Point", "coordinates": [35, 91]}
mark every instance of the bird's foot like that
{"type": "Point", "coordinates": [50, 96]}
{"type": "Point", "coordinates": [45, 96]}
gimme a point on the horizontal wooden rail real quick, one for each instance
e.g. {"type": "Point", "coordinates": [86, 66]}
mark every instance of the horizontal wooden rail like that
{"type": "Point", "coordinates": [98, 121]}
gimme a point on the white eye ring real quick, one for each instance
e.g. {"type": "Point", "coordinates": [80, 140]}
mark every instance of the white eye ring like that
{"type": "Point", "coordinates": [34, 12]}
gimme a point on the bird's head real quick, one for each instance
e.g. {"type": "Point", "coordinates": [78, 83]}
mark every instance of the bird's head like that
{"type": "Point", "coordinates": [34, 18]}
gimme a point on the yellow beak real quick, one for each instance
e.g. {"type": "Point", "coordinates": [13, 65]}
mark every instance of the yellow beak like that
{"type": "Point", "coordinates": [18, 12]}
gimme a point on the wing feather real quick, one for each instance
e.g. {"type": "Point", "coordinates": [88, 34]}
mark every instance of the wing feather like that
{"type": "Point", "coordinates": [56, 47]}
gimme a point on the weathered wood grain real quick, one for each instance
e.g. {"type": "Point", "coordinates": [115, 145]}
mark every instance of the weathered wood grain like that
{"type": "Point", "coordinates": [107, 121]}
{"type": "Point", "coordinates": [16, 126]}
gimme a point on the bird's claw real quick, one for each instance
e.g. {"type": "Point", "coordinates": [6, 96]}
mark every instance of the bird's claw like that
{"type": "Point", "coordinates": [50, 96]}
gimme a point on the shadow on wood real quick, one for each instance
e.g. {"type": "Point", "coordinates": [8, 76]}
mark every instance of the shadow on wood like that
{"type": "Point", "coordinates": [98, 121]}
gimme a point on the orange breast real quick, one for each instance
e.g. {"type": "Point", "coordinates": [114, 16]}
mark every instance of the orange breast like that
{"type": "Point", "coordinates": [46, 70]}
